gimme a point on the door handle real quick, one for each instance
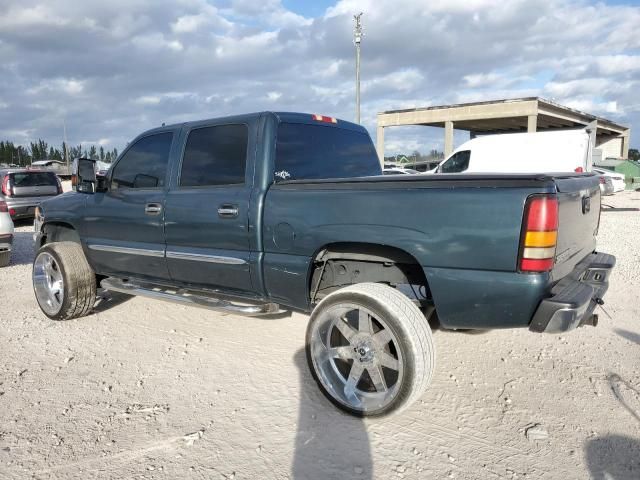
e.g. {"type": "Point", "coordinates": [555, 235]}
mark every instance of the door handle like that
{"type": "Point", "coordinates": [152, 208]}
{"type": "Point", "coordinates": [228, 211]}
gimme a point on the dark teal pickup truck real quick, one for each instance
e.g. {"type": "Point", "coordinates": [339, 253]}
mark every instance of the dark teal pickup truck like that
{"type": "Point", "coordinates": [269, 212]}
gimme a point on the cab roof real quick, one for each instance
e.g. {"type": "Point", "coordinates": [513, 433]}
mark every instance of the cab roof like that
{"type": "Point", "coordinates": [281, 117]}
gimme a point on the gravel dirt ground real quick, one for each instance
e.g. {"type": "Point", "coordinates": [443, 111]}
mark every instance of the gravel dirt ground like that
{"type": "Point", "coordinates": [144, 389]}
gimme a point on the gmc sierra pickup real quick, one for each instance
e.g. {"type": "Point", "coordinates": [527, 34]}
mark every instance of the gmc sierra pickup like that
{"type": "Point", "coordinates": [260, 213]}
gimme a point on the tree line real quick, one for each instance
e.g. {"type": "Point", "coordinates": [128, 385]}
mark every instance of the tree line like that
{"type": "Point", "coordinates": [12, 154]}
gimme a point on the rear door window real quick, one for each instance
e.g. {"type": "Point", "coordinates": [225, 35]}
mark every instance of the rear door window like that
{"type": "Point", "coordinates": [144, 165]}
{"type": "Point", "coordinates": [215, 156]}
{"type": "Point", "coordinates": [458, 163]}
{"type": "Point", "coordinates": [306, 152]}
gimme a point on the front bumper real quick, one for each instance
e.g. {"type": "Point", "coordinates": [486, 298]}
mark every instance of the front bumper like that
{"type": "Point", "coordinates": [576, 296]}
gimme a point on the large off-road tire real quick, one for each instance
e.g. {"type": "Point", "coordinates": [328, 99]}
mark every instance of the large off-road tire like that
{"type": "Point", "coordinates": [4, 258]}
{"type": "Point", "coordinates": [370, 349]}
{"type": "Point", "coordinates": [63, 281]}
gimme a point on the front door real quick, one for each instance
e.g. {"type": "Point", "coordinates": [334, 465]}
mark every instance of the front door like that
{"type": "Point", "coordinates": [125, 225]}
{"type": "Point", "coordinates": [206, 215]}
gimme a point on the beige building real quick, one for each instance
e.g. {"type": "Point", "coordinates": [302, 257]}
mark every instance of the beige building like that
{"type": "Point", "coordinates": [507, 116]}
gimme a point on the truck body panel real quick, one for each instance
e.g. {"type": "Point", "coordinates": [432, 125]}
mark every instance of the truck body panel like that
{"type": "Point", "coordinates": [260, 235]}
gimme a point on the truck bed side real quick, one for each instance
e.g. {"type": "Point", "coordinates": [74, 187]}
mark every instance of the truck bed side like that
{"type": "Point", "coordinates": [462, 231]}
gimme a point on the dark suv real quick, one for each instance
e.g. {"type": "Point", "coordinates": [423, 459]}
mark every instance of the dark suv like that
{"type": "Point", "coordinates": [24, 189]}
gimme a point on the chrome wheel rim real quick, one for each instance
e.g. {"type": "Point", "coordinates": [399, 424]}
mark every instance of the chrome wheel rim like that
{"type": "Point", "coordinates": [356, 357]}
{"type": "Point", "coordinates": [48, 283]}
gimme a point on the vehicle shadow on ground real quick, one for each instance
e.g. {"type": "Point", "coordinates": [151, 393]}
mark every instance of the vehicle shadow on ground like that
{"type": "Point", "coordinates": [614, 209]}
{"type": "Point", "coordinates": [107, 300]}
{"type": "Point", "coordinates": [626, 394]}
{"type": "Point", "coordinates": [329, 443]}
{"type": "Point", "coordinates": [613, 457]}
{"type": "Point", "coordinates": [631, 336]}
{"type": "Point", "coordinates": [610, 208]}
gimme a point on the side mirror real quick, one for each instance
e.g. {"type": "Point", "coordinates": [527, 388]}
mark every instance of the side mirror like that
{"type": "Point", "coordinates": [84, 175]}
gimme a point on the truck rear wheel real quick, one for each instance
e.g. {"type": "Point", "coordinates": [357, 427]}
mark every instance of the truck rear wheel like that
{"type": "Point", "coordinates": [63, 281]}
{"type": "Point", "coordinates": [370, 349]}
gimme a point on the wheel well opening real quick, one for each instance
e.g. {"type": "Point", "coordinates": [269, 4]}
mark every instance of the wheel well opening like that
{"type": "Point", "coordinates": [59, 232]}
{"type": "Point", "coordinates": [341, 264]}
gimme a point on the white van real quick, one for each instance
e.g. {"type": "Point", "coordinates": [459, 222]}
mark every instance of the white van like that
{"type": "Point", "coordinates": [544, 152]}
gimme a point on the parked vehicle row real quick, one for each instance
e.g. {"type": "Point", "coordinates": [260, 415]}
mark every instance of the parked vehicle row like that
{"type": "Point", "coordinates": [260, 213]}
{"type": "Point", "coordinates": [23, 189]}
{"type": "Point", "coordinates": [399, 171]}
{"type": "Point", "coordinates": [610, 182]}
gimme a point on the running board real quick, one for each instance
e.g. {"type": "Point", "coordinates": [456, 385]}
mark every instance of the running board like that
{"type": "Point", "coordinates": [187, 297]}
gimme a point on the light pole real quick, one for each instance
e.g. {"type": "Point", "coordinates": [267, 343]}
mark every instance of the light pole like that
{"type": "Point", "coordinates": [357, 38]}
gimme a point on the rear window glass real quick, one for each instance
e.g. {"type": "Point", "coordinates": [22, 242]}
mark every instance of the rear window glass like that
{"type": "Point", "coordinates": [33, 179]}
{"type": "Point", "coordinates": [306, 152]}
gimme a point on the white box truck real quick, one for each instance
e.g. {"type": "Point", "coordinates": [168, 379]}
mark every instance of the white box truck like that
{"type": "Point", "coordinates": [543, 152]}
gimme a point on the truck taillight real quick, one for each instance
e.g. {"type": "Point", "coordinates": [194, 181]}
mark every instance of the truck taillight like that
{"type": "Point", "coordinates": [539, 234]}
{"type": "Point", "coordinates": [3, 207]}
{"type": "Point", "coordinates": [579, 170]}
{"type": "Point", "coordinates": [6, 186]}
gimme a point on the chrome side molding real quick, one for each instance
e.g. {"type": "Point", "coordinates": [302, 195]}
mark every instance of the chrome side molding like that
{"type": "Point", "coordinates": [187, 297]}
{"type": "Point", "coordinates": [197, 257]}
{"type": "Point", "coordinates": [131, 251]}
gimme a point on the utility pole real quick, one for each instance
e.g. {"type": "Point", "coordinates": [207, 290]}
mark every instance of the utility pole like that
{"type": "Point", "coordinates": [357, 38]}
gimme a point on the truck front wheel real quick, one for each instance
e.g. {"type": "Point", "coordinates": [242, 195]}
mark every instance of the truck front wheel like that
{"type": "Point", "coordinates": [370, 349]}
{"type": "Point", "coordinates": [63, 281]}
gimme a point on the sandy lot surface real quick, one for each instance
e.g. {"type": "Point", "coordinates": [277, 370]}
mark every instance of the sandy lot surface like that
{"type": "Point", "coordinates": [144, 389]}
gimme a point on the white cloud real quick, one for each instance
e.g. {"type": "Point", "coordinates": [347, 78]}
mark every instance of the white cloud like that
{"type": "Point", "coordinates": [481, 79]}
{"type": "Point", "coordinates": [148, 100]}
{"type": "Point", "coordinates": [115, 68]}
{"type": "Point", "coordinates": [188, 23]}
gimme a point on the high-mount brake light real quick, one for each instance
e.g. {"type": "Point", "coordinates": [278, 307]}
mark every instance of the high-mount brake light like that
{"type": "Point", "coordinates": [322, 118]}
{"type": "Point", "coordinates": [540, 234]}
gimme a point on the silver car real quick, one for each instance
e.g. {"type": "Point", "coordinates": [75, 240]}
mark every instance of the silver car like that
{"type": "Point", "coordinates": [606, 184]}
{"type": "Point", "coordinates": [23, 189]}
{"type": "Point", "coordinates": [6, 234]}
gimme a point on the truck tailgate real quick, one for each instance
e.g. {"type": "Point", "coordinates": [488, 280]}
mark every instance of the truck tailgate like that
{"type": "Point", "coordinates": [578, 219]}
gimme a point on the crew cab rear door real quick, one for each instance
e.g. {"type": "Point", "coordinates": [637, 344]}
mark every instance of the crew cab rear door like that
{"type": "Point", "coordinates": [207, 207]}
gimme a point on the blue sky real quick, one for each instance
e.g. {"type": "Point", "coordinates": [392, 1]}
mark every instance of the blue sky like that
{"type": "Point", "coordinates": [113, 69]}
{"type": "Point", "coordinates": [308, 8]}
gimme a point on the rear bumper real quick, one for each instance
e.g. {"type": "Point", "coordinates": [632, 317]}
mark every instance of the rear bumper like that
{"type": "Point", "coordinates": [576, 296]}
{"type": "Point", "coordinates": [24, 207]}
